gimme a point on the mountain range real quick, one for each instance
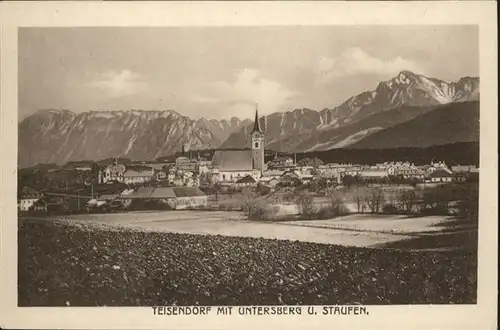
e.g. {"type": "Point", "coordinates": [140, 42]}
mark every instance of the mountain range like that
{"type": "Point", "coordinates": [364, 120]}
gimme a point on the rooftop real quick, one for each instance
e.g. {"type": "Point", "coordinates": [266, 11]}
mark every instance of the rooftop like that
{"type": "Point", "coordinates": [246, 179]}
{"type": "Point", "coordinates": [233, 160]}
{"type": "Point", "coordinates": [440, 174]}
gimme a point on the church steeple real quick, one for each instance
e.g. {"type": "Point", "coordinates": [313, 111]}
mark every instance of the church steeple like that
{"type": "Point", "coordinates": [256, 124]}
{"type": "Point", "coordinates": [257, 145]}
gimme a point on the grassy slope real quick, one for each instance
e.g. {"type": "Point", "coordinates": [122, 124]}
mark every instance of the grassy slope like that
{"type": "Point", "coordinates": [60, 263]}
{"type": "Point", "coordinates": [382, 119]}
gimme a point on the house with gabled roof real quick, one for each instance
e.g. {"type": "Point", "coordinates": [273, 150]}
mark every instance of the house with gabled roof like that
{"type": "Point", "coordinates": [247, 181]}
{"type": "Point", "coordinates": [439, 176]}
{"type": "Point", "coordinates": [27, 197]}
{"type": "Point", "coordinates": [50, 204]}
{"type": "Point", "coordinates": [179, 197]}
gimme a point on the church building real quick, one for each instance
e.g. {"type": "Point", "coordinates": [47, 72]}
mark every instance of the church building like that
{"type": "Point", "coordinates": [232, 165]}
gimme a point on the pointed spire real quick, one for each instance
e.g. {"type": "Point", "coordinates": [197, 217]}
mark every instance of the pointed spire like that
{"type": "Point", "coordinates": [256, 124]}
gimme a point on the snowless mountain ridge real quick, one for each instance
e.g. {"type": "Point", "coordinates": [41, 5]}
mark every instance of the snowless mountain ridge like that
{"type": "Point", "coordinates": [58, 136]}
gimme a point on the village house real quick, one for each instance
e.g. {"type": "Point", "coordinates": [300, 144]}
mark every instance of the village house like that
{"type": "Point", "coordinates": [138, 175]}
{"type": "Point", "coordinates": [190, 179]}
{"type": "Point", "coordinates": [182, 160]}
{"type": "Point", "coordinates": [113, 172]}
{"type": "Point", "coordinates": [282, 162]}
{"type": "Point", "coordinates": [183, 178]}
{"type": "Point", "coordinates": [434, 166]}
{"type": "Point", "coordinates": [139, 193]}
{"type": "Point", "coordinates": [273, 173]}
{"type": "Point", "coordinates": [247, 181]}
{"type": "Point", "coordinates": [408, 171]}
{"type": "Point", "coordinates": [167, 167]}
{"type": "Point", "coordinates": [463, 173]}
{"type": "Point", "coordinates": [289, 179]}
{"type": "Point", "coordinates": [373, 173]}
{"type": "Point", "coordinates": [126, 192]}
{"type": "Point", "coordinates": [108, 197]}
{"type": "Point", "coordinates": [269, 182]}
{"type": "Point", "coordinates": [351, 170]}
{"type": "Point", "coordinates": [391, 170]}
{"type": "Point", "coordinates": [184, 163]}
{"type": "Point", "coordinates": [95, 203]}
{"type": "Point", "coordinates": [465, 169]}
{"type": "Point", "coordinates": [304, 173]}
{"type": "Point", "coordinates": [48, 204]}
{"type": "Point", "coordinates": [331, 171]}
{"type": "Point", "coordinates": [204, 166]}
{"type": "Point", "coordinates": [27, 197]}
{"type": "Point", "coordinates": [172, 175]}
{"type": "Point", "coordinates": [160, 175]}
{"type": "Point", "coordinates": [175, 197]}
{"type": "Point", "coordinates": [40, 206]}
{"type": "Point", "coordinates": [178, 181]}
{"type": "Point", "coordinates": [439, 176]}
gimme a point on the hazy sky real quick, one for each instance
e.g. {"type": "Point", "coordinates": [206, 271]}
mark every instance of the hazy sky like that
{"type": "Point", "coordinates": [221, 71]}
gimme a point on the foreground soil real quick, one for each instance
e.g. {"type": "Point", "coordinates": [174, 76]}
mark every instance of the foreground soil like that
{"type": "Point", "coordinates": [62, 264]}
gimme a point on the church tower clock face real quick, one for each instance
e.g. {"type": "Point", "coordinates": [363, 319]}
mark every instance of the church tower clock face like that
{"type": "Point", "coordinates": [256, 140]}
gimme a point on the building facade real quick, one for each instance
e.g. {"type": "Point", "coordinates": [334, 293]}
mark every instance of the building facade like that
{"type": "Point", "coordinates": [27, 198]}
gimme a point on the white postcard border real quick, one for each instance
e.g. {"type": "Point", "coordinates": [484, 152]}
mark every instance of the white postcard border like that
{"type": "Point", "coordinates": [66, 14]}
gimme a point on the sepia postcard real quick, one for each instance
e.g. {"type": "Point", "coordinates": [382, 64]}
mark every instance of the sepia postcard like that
{"type": "Point", "coordinates": [227, 165]}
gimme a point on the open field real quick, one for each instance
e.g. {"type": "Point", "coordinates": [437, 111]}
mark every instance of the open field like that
{"type": "Point", "coordinates": [352, 230]}
{"type": "Point", "coordinates": [397, 224]}
{"type": "Point", "coordinates": [82, 263]}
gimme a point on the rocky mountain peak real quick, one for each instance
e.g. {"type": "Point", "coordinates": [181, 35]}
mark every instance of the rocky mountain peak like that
{"type": "Point", "coordinates": [58, 136]}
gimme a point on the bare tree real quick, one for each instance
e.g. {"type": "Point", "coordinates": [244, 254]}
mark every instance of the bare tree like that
{"type": "Point", "coordinates": [407, 199]}
{"type": "Point", "coordinates": [375, 200]}
{"type": "Point", "coordinates": [305, 203]}
{"type": "Point", "coordinates": [217, 188]}
{"type": "Point", "coordinates": [359, 198]}
{"type": "Point", "coordinates": [249, 202]}
{"type": "Point", "coordinates": [336, 201]}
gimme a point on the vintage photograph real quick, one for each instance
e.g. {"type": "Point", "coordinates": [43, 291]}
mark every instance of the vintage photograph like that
{"type": "Point", "coordinates": [252, 165]}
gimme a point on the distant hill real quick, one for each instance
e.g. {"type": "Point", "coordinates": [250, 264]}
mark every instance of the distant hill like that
{"type": "Point", "coordinates": [447, 124]}
{"type": "Point", "coordinates": [452, 154]}
{"type": "Point", "coordinates": [345, 136]}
